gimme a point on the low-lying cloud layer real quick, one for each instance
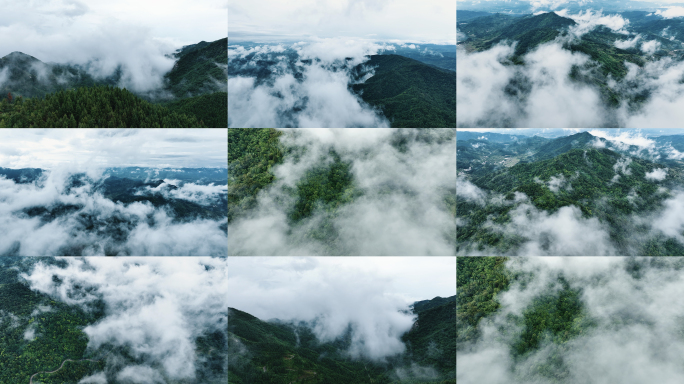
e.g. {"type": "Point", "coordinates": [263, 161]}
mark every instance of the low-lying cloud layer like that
{"type": "Point", "coordinates": [155, 307]}
{"type": "Point", "coordinates": [306, 85]}
{"type": "Point", "coordinates": [541, 93]}
{"type": "Point", "coordinates": [633, 304]}
{"type": "Point", "coordinates": [61, 214]}
{"type": "Point", "coordinates": [401, 209]}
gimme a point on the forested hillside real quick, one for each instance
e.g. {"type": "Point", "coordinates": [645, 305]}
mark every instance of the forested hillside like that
{"type": "Point", "coordinates": [201, 69]}
{"type": "Point", "coordinates": [278, 352]}
{"type": "Point", "coordinates": [410, 94]}
{"type": "Point", "coordinates": [91, 107]}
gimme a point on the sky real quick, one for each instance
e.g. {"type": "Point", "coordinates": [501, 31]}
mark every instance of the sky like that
{"type": "Point", "coordinates": [547, 132]}
{"type": "Point", "coordinates": [367, 292]}
{"type": "Point", "coordinates": [136, 34]}
{"type": "Point", "coordinates": [428, 21]}
{"type": "Point", "coordinates": [83, 149]}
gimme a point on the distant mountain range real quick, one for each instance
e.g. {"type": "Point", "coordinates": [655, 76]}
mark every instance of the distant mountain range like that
{"type": "Point", "coordinates": [275, 351]}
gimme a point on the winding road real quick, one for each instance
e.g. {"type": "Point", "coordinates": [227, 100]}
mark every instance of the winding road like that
{"type": "Point", "coordinates": [60, 367]}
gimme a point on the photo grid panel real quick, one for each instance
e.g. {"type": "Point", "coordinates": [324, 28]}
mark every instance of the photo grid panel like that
{"type": "Point", "coordinates": [342, 64]}
{"type": "Point", "coordinates": [342, 319]}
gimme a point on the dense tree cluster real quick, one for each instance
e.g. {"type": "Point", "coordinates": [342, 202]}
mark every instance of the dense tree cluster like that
{"type": "Point", "coordinates": [91, 107]}
{"type": "Point", "coordinates": [211, 110]}
{"type": "Point", "coordinates": [251, 155]}
{"type": "Point", "coordinates": [411, 94]}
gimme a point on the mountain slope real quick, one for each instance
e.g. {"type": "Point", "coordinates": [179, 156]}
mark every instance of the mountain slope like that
{"type": "Point", "coordinates": [200, 69]}
{"type": "Point", "coordinates": [24, 75]}
{"type": "Point", "coordinates": [410, 93]}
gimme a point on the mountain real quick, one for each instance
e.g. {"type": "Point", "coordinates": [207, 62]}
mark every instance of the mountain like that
{"type": "Point", "coordinates": [201, 69]}
{"type": "Point", "coordinates": [603, 180]}
{"type": "Point", "coordinates": [21, 176]}
{"type": "Point", "coordinates": [441, 56]}
{"type": "Point", "coordinates": [275, 352]}
{"type": "Point", "coordinates": [489, 136]}
{"type": "Point", "coordinates": [529, 31]}
{"type": "Point", "coordinates": [24, 75]}
{"type": "Point", "coordinates": [410, 93]}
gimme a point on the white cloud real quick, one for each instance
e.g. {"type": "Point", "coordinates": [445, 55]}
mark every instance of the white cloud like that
{"type": "Point", "coordinates": [470, 191]}
{"type": "Point", "coordinates": [108, 34]}
{"type": "Point", "coordinates": [650, 47]}
{"type": "Point", "coordinates": [263, 20]}
{"type": "Point", "coordinates": [634, 337]}
{"type": "Point", "coordinates": [302, 94]}
{"type": "Point", "coordinates": [658, 174]}
{"type": "Point", "coordinates": [156, 307]}
{"type": "Point", "coordinates": [625, 44]}
{"type": "Point", "coordinates": [671, 12]}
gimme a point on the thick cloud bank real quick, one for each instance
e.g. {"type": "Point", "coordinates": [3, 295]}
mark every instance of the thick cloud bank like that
{"type": "Point", "coordinates": [155, 309]}
{"type": "Point", "coordinates": [299, 85]}
{"type": "Point", "coordinates": [403, 181]}
{"type": "Point", "coordinates": [634, 306]}
{"type": "Point", "coordinates": [66, 213]}
{"type": "Point", "coordinates": [548, 90]}
{"type": "Point", "coordinates": [331, 295]}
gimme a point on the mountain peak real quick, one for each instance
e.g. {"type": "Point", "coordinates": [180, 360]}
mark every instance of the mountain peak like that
{"type": "Point", "coordinates": [16, 55]}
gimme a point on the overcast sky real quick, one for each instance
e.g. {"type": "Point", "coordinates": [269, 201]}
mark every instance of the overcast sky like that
{"type": "Point", "coordinates": [408, 278]}
{"type": "Point", "coordinates": [427, 21]}
{"type": "Point", "coordinates": [85, 148]}
{"type": "Point", "coordinates": [52, 30]}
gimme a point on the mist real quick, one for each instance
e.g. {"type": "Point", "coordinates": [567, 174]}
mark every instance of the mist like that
{"type": "Point", "coordinates": [155, 309]}
{"type": "Point", "coordinates": [631, 304]}
{"type": "Point", "coordinates": [402, 182]}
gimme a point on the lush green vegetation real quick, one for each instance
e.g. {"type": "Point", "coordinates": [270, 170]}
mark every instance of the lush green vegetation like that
{"type": "Point", "coordinates": [90, 107]}
{"type": "Point", "coordinates": [57, 330]}
{"type": "Point", "coordinates": [199, 70]}
{"type": "Point", "coordinates": [252, 152]}
{"type": "Point", "coordinates": [276, 352]}
{"type": "Point", "coordinates": [211, 110]}
{"type": "Point", "coordinates": [410, 94]}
